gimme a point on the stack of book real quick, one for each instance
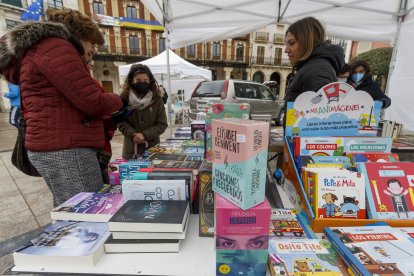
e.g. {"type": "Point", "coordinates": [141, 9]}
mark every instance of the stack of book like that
{"type": "Point", "coordinates": [148, 226]}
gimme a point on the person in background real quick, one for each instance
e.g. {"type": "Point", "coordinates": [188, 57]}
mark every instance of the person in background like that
{"type": "Point", "coordinates": [14, 96]}
{"type": "Point", "coordinates": [147, 120]}
{"type": "Point", "coordinates": [164, 94]}
{"type": "Point", "coordinates": [315, 61]}
{"type": "Point", "coordinates": [344, 74]}
{"type": "Point", "coordinates": [63, 105]}
{"type": "Point", "coordinates": [361, 79]}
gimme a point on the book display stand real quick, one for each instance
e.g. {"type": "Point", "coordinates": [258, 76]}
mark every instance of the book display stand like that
{"type": "Point", "coordinates": [334, 112]}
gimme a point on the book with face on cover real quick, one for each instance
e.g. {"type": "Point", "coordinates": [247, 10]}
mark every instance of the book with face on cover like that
{"type": "Point", "coordinates": [94, 207]}
{"type": "Point", "coordinates": [151, 216]}
{"type": "Point", "coordinates": [65, 243]}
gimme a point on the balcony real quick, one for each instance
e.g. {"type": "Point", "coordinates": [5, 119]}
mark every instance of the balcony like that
{"type": "Point", "coordinates": [262, 37]}
{"type": "Point", "coordinates": [278, 39]}
{"type": "Point", "coordinates": [259, 60]}
{"type": "Point", "coordinates": [242, 37]}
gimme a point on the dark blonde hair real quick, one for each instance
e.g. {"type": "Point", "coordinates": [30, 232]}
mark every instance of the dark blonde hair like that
{"type": "Point", "coordinates": [79, 24]}
{"type": "Point", "coordinates": [309, 33]}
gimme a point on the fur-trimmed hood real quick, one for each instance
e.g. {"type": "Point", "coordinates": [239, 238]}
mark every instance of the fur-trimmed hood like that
{"type": "Point", "coordinates": [20, 39]}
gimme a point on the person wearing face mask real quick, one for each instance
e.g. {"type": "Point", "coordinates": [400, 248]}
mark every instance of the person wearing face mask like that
{"type": "Point", "coordinates": [63, 106]}
{"type": "Point", "coordinates": [344, 74]}
{"type": "Point", "coordinates": [361, 79]}
{"type": "Point", "coordinates": [315, 61]}
{"type": "Point", "coordinates": [147, 119]}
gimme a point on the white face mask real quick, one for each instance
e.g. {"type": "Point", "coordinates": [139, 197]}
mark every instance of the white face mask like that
{"type": "Point", "coordinates": [341, 79]}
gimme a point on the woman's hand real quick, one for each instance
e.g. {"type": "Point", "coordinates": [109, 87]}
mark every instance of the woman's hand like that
{"type": "Point", "coordinates": [139, 138]}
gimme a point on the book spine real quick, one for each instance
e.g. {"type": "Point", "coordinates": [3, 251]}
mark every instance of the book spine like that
{"type": "Point", "coordinates": [372, 213]}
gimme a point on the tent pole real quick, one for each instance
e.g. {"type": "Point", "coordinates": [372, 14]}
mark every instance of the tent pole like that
{"type": "Point", "coordinates": [401, 13]}
{"type": "Point", "coordinates": [167, 48]}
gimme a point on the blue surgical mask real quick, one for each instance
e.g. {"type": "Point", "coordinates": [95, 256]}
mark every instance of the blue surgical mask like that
{"type": "Point", "coordinates": [341, 79]}
{"type": "Point", "coordinates": [357, 77]}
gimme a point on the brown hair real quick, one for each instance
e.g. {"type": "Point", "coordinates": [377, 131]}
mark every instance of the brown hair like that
{"type": "Point", "coordinates": [139, 69]}
{"type": "Point", "coordinates": [362, 63]}
{"type": "Point", "coordinates": [79, 24]}
{"type": "Point", "coordinates": [309, 33]}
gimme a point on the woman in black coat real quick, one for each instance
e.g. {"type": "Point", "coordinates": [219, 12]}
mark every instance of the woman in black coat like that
{"type": "Point", "coordinates": [361, 79]}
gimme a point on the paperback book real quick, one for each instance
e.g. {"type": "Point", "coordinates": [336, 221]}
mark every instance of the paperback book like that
{"type": "Point", "coordinates": [151, 216]}
{"type": "Point", "coordinates": [150, 190]}
{"type": "Point", "coordinates": [168, 156]}
{"type": "Point", "coordinates": [139, 246]}
{"type": "Point", "coordinates": [65, 243]}
{"type": "Point", "coordinates": [206, 195]}
{"type": "Point", "coordinates": [94, 207]}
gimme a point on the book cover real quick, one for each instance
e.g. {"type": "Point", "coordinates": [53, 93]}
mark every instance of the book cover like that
{"type": "Point", "coordinates": [373, 250]}
{"type": "Point", "coordinates": [195, 156]}
{"type": "Point", "coordinates": [194, 164]}
{"type": "Point", "coordinates": [95, 207]}
{"type": "Point", "coordinates": [165, 150]}
{"type": "Point", "coordinates": [289, 224]}
{"type": "Point", "coordinates": [367, 144]}
{"type": "Point", "coordinates": [113, 171]}
{"type": "Point", "coordinates": [108, 188]}
{"type": "Point", "coordinates": [318, 146]}
{"type": "Point", "coordinates": [198, 129]}
{"type": "Point", "coordinates": [193, 144]}
{"type": "Point", "coordinates": [390, 193]}
{"type": "Point", "coordinates": [308, 161]}
{"type": "Point", "coordinates": [408, 232]}
{"type": "Point", "coordinates": [338, 193]}
{"type": "Point", "coordinates": [168, 157]}
{"type": "Point", "coordinates": [150, 190]}
{"type": "Point", "coordinates": [302, 257]}
{"type": "Point", "coordinates": [241, 262]}
{"type": "Point", "coordinates": [150, 216]}
{"type": "Point", "coordinates": [206, 195]}
{"type": "Point", "coordinates": [220, 111]}
{"type": "Point", "coordinates": [126, 170]}
{"type": "Point", "coordinates": [373, 157]}
{"type": "Point", "coordinates": [65, 243]}
{"type": "Point", "coordinates": [140, 246]}
{"type": "Point", "coordinates": [240, 160]}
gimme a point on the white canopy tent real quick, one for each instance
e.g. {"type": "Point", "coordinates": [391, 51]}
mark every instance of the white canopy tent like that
{"type": "Point", "coordinates": [192, 21]}
{"type": "Point", "coordinates": [183, 74]}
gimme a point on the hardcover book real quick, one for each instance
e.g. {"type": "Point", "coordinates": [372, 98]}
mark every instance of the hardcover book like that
{"type": "Point", "coordinates": [206, 195]}
{"type": "Point", "coordinates": [289, 224]}
{"type": "Point", "coordinates": [150, 216]}
{"type": "Point", "coordinates": [65, 243]}
{"type": "Point", "coordinates": [240, 160]}
{"type": "Point", "coordinates": [139, 246]}
{"type": "Point", "coordinates": [373, 157]}
{"type": "Point", "coordinates": [302, 257]}
{"type": "Point", "coordinates": [310, 161]}
{"type": "Point", "coordinates": [150, 190]}
{"type": "Point", "coordinates": [94, 207]}
{"type": "Point", "coordinates": [390, 193]}
{"type": "Point", "coordinates": [375, 250]}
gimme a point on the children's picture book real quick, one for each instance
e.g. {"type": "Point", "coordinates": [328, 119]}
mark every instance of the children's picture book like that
{"type": "Point", "coordinates": [312, 161]}
{"type": "Point", "coordinates": [240, 160]}
{"type": "Point", "coordinates": [408, 232]}
{"type": "Point", "coordinates": [150, 190]}
{"type": "Point", "coordinates": [333, 111]}
{"type": "Point", "coordinates": [94, 207]}
{"type": "Point", "coordinates": [139, 246]}
{"type": "Point", "coordinates": [373, 250]}
{"type": "Point", "coordinates": [373, 157]}
{"type": "Point", "coordinates": [65, 243]}
{"type": "Point", "coordinates": [289, 224]}
{"type": "Point", "coordinates": [390, 193]}
{"type": "Point", "coordinates": [302, 257]}
{"type": "Point", "coordinates": [337, 193]}
{"type": "Point", "coordinates": [151, 216]}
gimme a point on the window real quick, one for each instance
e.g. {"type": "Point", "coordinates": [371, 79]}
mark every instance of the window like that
{"type": "Point", "coordinates": [98, 8]}
{"type": "Point", "coordinates": [133, 44]}
{"type": "Point", "coordinates": [57, 4]}
{"type": "Point", "coordinates": [260, 54]}
{"type": "Point", "coordinates": [216, 50]}
{"type": "Point", "coordinates": [278, 56]}
{"type": "Point", "coordinates": [16, 3]}
{"type": "Point", "coordinates": [266, 94]}
{"type": "Point", "coordinates": [11, 23]}
{"type": "Point", "coordinates": [104, 47]}
{"type": "Point", "coordinates": [191, 50]}
{"type": "Point", "coordinates": [162, 44]}
{"type": "Point", "coordinates": [131, 12]}
{"type": "Point", "coordinates": [240, 52]}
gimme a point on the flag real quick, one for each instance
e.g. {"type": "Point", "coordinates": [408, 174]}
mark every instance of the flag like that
{"type": "Point", "coordinates": [33, 12]}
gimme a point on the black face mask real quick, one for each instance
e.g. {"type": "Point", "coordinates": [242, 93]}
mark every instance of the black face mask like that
{"type": "Point", "coordinates": [141, 87]}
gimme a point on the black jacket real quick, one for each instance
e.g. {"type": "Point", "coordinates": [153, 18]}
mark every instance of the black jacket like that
{"type": "Point", "coordinates": [318, 70]}
{"type": "Point", "coordinates": [371, 87]}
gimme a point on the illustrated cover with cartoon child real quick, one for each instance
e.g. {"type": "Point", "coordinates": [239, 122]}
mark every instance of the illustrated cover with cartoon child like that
{"type": "Point", "coordinates": [390, 193]}
{"type": "Point", "coordinates": [302, 257]}
{"type": "Point", "coordinates": [338, 193]}
{"type": "Point", "coordinates": [373, 250]}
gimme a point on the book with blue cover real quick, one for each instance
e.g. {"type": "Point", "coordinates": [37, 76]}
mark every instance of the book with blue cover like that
{"type": "Point", "coordinates": [151, 216]}
{"type": "Point", "coordinates": [373, 250]}
{"type": "Point", "coordinates": [65, 243]}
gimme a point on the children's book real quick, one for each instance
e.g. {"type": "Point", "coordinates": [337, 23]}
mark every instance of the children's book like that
{"type": "Point", "coordinates": [373, 250]}
{"type": "Point", "coordinates": [138, 246]}
{"type": "Point", "coordinates": [373, 157]}
{"type": "Point", "coordinates": [311, 161]}
{"type": "Point", "coordinates": [408, 232]}
{"type": "Point", "coordinates": [151, 216]}
{"type": "Point", "coordinates": [302, 257]}
{"type": "Point", "coordinates": [289, 224]}
{"type": "Point", "coordinates": [390, 193]}
{"type": "Point", "coordinates": [65, 243]}
{"type": "Point", "coordinates": [94, 207]}
{"type": "Point", "coordinates": [150, 190]}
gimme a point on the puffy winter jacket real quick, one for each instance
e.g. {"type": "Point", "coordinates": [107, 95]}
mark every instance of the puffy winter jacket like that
{"type": "Point", "coordinates": [62, 104]}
